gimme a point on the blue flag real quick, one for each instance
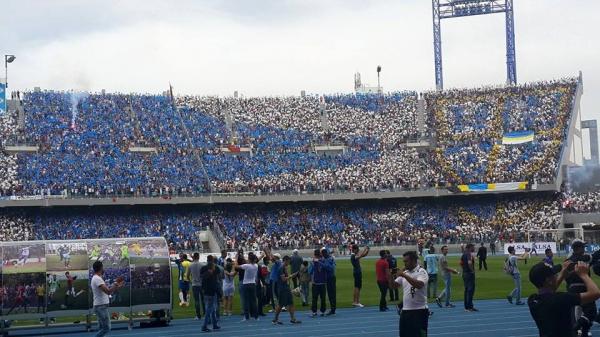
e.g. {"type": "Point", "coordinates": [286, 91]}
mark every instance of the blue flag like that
{"type": "Point", "coordinates": [2, 98]}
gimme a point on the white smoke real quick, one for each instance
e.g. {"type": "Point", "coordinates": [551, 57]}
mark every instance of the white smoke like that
{"type": "Point", "coordinates": [76, 97]}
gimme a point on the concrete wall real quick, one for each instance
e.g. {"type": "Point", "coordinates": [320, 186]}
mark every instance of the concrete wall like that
{"type": "Point", "coordinates": [576, 218]}
{"type": "Point", "coordinates": [213, 244]}
{"type": "Point", "coordinates": [45, 201]}
{"type": "Point", "coordinates": [374, 251]}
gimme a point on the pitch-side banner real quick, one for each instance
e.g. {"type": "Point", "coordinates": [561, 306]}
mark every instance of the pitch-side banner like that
{"type": "Point", "coordinates": [536, 247]}
{"type": "Point", "coordinates": [2, 98]}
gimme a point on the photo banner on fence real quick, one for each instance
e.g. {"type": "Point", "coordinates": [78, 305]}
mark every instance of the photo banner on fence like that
{"type": "Point", "coordinates": [150, 274]}
{"type": "Point", "coordinates": [114, 256]}
{"type": "Point", "coordinates": [48, 279]}
{"type": "Point", "coordinates": [535, 247]}
{"type": "Point", "coordinates": [24, 280]}
{"type": "Point", "coordinates": [67, 278]}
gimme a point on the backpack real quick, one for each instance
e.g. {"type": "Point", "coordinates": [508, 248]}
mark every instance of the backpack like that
{"type": "Point", "coordinates": [508, 267]}
{"type": "Point", "coordinates": [264, 271]}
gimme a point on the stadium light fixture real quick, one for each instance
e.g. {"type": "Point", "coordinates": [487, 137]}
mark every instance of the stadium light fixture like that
{"type": "Point", "coordinates": [7, 59]}
{"type": "Point", "coordinates": [378, 82]}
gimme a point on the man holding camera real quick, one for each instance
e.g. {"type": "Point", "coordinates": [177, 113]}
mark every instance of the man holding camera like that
{"type": "Point", "coordinates": [586, 313]}
{"type": "Point", "coordinates": [552, 311]}
{"type": "Point", "coordinates": [415, 312]}
{"type": "Point", "coordinates": [357, 272]}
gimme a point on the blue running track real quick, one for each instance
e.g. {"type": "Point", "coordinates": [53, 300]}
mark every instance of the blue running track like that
{"type": "Point", "coordinates": [495, 319]}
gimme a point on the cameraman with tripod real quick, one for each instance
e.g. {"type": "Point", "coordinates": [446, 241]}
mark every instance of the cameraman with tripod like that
{"type": "Point", "coordinates": [586, 312]}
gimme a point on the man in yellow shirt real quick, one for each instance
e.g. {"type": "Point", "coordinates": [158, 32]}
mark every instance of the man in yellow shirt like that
{"type": "Point", "coordinates": [183, 265]}
{"type": "Point", "coordinates": [40, 291]}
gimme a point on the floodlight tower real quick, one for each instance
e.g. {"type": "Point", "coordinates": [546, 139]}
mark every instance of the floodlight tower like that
{"type": "Point", "coordinates": [447, 9]}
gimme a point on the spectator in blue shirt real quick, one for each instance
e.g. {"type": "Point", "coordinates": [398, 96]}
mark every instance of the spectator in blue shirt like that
{"type": "Point", "coordinates": [329, 263]}
{"type": "Point", "coordinates": [431, 263]}
{"type": "Point", "coordinates": [318, 273]}
{"type": "Point", "coordinates": [549, 256]}
{"type": "Point", "coordinates": [274, 277]}
{"type": "Point", "coordinates": [393, 265]}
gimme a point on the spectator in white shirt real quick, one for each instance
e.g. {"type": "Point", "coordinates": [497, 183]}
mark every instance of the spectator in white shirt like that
{"type": "Point", "coordinates": [101, 297]}
{"type": "Point", "coordinates": [413, 280]}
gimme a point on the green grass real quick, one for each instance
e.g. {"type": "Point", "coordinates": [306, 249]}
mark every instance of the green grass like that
{"type": "Point", "coordinates": [29, 267]}
{"type": "Point", "coordinates": [77, 262]}
{"type": "Point", "coordinates": [491, 284]}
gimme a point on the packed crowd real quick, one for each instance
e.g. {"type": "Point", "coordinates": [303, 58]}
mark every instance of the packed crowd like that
{"type": "Point", "coordinates": [575, 202]}
{"type": "Point", "coordinates": [8, 163]}
{"type": "Point", "coordinates": [85, 145]}
{"type": "Point", "coordinates": [282, 132]}
{"type": "Point", "coordinates": [470, 125]}
{"type": "Point", "coordinates": [268, 144]}
{"type": "Point", "coordinates": [373, 223]}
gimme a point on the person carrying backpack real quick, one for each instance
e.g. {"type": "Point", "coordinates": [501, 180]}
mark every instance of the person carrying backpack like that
{"type": "Point", "coordinates": [510, 268]}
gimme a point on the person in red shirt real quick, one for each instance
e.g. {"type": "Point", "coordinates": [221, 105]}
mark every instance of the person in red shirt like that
{"type": "Point", "coordinates": [70, 289]}
{"type": "Point", "coordinates": [382, 270]}
{"type": "Point", "coordinates": [19, 299]}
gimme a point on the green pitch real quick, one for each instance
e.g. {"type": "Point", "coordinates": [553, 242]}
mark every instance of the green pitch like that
{"type": "Point", "coordinates": [78, 262]}
{"type": "Point", "coordinates": [491, 284]}
{"type": "Point", "coordinates": [29, 267]}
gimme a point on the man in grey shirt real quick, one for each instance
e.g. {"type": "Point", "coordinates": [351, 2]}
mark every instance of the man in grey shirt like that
{"type": "Point", "coordinates": [295, 264]}
{"type": "Point", "coordinates": [446, 273]}
{"type": "Point", "coordinates": [196, 279]}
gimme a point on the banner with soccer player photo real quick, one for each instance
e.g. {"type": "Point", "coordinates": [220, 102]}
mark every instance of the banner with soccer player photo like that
{"type": "Point", "coordinates": [114, 255]}
{"type": "Point", "coordinates": [23, 280]}
{"type": "Point", "coordinates": [150, 274]}
{"type": "Point", "coordinates": [24, 295]}
{"type": "Point", "coordinates": [65, 256]}
{"type": "Point", "coordinates": [67, 292]}
{"type": "Point", "coordinates": [24, 257]}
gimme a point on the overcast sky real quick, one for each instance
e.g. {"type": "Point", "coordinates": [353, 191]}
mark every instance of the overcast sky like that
{"type": "Point", "coordinates": [279, 47]}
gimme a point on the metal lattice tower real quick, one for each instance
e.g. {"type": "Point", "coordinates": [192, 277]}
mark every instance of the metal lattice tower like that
{"type": "Point", "coordinates": [447, 9]}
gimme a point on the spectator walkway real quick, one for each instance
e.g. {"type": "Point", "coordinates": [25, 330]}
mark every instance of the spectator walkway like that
{"type": "Point", "coordinates": [496, 318]}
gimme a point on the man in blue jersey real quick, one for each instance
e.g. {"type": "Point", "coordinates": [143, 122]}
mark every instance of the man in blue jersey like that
{"type": "Point", "coordinates": [329, 262]}
{"type": "Point", "coordinates": [318, 274]}
{"type": "Point", "coordinates": [548, 259]}
{"type": "Point", "coordinates": [274, 276]}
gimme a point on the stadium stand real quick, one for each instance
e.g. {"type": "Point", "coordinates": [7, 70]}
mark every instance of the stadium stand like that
{"type": "Point", "coordinates": [9, 182]}
{"type": "Point", "coordinates": [445, 220]}
{"type": "Point", "coordinates": [581, 202]}
{"type": "Point", "coordinates": [470, 125]}
{"type": "Point", "coordinates": [85, 140]}
{"type": "Point", "coordinates": [196, 143]}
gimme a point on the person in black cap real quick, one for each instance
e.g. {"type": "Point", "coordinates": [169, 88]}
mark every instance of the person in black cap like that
{"type": "Point", "coordinates": [587, 312]}
{"type": "Point", "coordinates": [552, 311]}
